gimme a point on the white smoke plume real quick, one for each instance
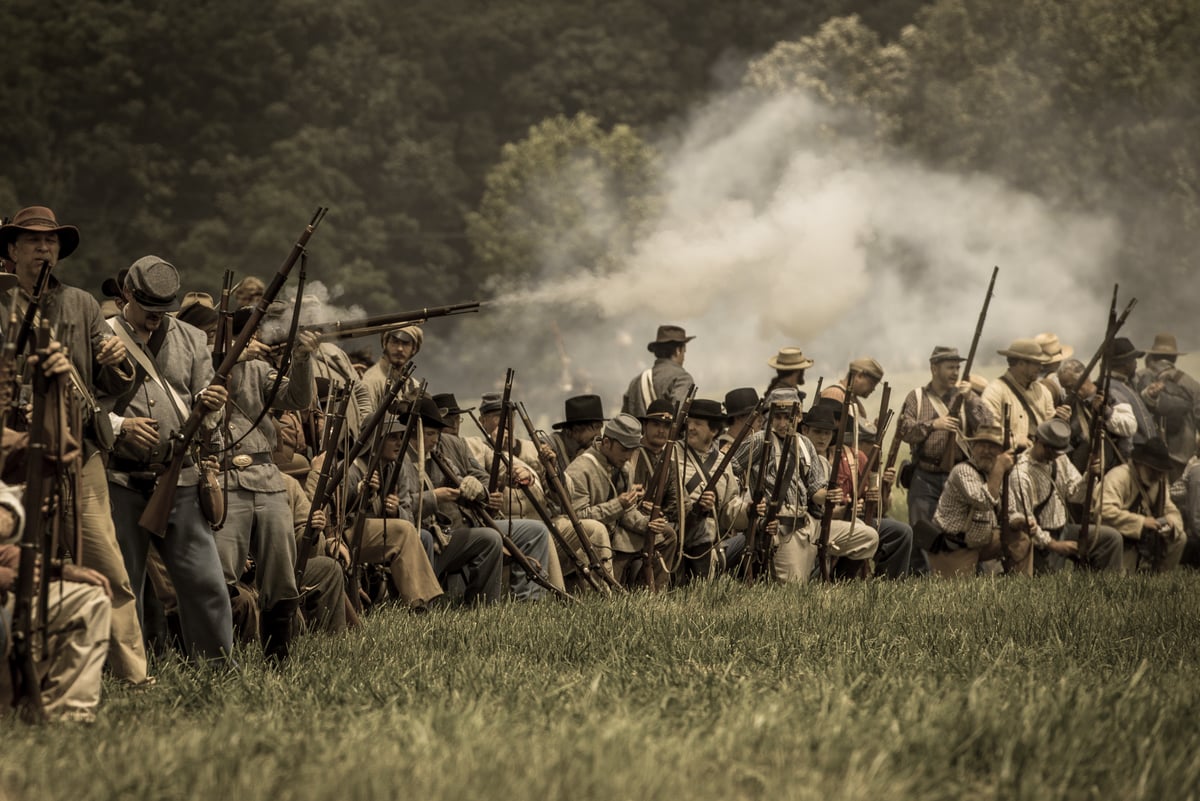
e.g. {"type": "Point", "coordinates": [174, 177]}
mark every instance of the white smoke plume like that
{"type": "Point", "coordinates": [317, 306]}
{"type": "Point", "coordinates": [777, 233]}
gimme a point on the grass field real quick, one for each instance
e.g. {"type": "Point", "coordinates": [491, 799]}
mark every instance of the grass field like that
{"type": "Point", "coordinates": [1076, 686]}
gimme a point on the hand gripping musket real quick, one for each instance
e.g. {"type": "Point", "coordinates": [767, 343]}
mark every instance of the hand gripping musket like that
{"type": "Point", "coordinates": [757, 491]}
{"type": "Point", "coordinates": [505, 399]}
{"type": "Point", "coordinates": [580, 566]}
{"type": "Point", "coordinates": [834, 478]}
{"type": "Point", "coordinates": [658, 486]}
{"type": "Point", "coordinates": [224, 321]}
{"type": "Point", "coordinates": [885, 486]}
{"type": "Point", "coordinates": [1114, 327]}
{"type": "Point", "coordinates": [361, 505]}
{"type": "Point", "coordinates": [524, 562]}
{"type": "Point", "coordinates": [950, 456]}
{"type": "Point", "coordinates": [871, 508]}
{"type": "Point", "coordinates": [393, 479]}
{"type": "Point", "coordinates": [333, 432]}
{"type": "Point", "coordinates": [1096, 423]}
{"type": "Point", "coordinates": [27, 685]}
{"type": "Point", "coordinates": [556, 479]}
{"type": "Point", "coordinates": [31, 311]}
{"type": "Point", "coordinates": [783, 478]}
{"type": "Point", "coordinates": [719, 470]}
{"type": "Point", "coordinates": [158, 509]}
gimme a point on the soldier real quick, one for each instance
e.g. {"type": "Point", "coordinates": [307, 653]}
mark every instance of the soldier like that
{"type": "Point", "coordinates": [666, 378]}
{"type": "Point", "coordinates": [98, 364]}
{"type": "Point", "coordinates": [257, 514]}
{"type": "Point", "coordinates": [789, 365]}
{"type": "Point", "coordinates": [1043, 482]}
{"type": "Point", "coordinates": [1084, 401]}
{"type": "Point", "coordinates": [655, 448]}
{"type": "Point", "coordinates": [893, 556]}
{"type": "Point", "coordinates": [739, 405]}
{"type": "Point", "coordinates": [602, 488]}
{"type": "Point", "coordinates": [930, 430]}
{"type": "Point", "coordinates": [175, 368]}
{"type": "Point", "coordinates": [863, 375]}
{"type": "Point", "coordinates": [583, 417]}
{"type": "Point", "coordinates": [806, 488]}
{"type": "Point", "coordinates": [1123, 358]}
{"type": "Point", "coordinates": [400, 345]}
{"type": "Point", "coordinates": [714, 531]}
{"type": "Point", "coordinates": [967, 513]}
{"type": "Point", "coordinates": [1172, 396]}
{"type": "Point", "coordinates": [1056, 353]}
{"type": "Point", "coordinates": [1137, 504]}
{"type": "Point", "coordinates": [1029, 403]}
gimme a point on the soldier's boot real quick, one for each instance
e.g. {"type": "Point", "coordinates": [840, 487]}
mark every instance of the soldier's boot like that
{"type": "Point", "coordinates": [276, 628]}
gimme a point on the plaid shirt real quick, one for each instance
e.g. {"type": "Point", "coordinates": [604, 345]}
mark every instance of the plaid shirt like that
{"type": "Point", "coordinates": [967, 506]}
{"type": "Point", "coordinates": [1032, 485]}
{"type": "Point", "coordinates": [916, 423]}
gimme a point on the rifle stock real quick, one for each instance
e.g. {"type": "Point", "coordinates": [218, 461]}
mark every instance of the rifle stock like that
{"type": "Point", "coordinates": [158, 509]}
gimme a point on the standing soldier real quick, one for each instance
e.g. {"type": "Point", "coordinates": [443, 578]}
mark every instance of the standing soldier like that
{"type": "Point", "coordinates": [666, 379]}
{"type": "Point", "coordinates": [789, 365]}
{"type": "Point", "coordinates": [1029, 403]}
{"type": "Point", "coordinates": [99, 364]}
{"type": "Point", "coordinates": [174, 370]}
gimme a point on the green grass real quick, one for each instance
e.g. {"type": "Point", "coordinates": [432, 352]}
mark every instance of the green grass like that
{"type": "Point", "coordinates": [1075, 686]}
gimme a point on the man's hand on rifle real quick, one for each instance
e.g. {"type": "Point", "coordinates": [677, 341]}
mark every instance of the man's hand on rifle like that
{"type": "Point", "coordinates": [495, 501]}
{"type": "Point", "coordinates": [371, 483]}
{"type": "Point", "coordinates": [1063, 547]}
{"type": "Point", "coordinates": [835, 496]}
{"type": "Point", "coordinates": [140, 431]}
{"type": "Point", "coordinates": [446, 494]}
{"type": "Point", "coordinates": [85, 575]}
{"type": "Point", "coordinates": [707, 501]}
{"type": "Point", "coordinates": [255, 349]}
{"type": "Point", "coordinates": [10, 560]}
{"type": "Point", "coordinates": [57, 362]}
{"type": "Point", "coordinates": [391, 505]}
{"type": "Point", "coordinates": [337, 550]}
{"type": "Point", "coordinates": [548, 456]}
{"type": "Point", "coordinates": [111, 351]}
{"type": "Point", "coordinates": [1004, 462]}
{"type": "Point", "coordinates": [1063, 413]}
{"type": "Point", "coordinates": [307, 343]}
{"type": "Point", "coordinates": [319, 521]}
{"type": "Point", "coordinates": [214, 397]}
{"type": "Point", "coordinates": [946, 423]}
{"type": "Point", "coordinates": [520, 476]}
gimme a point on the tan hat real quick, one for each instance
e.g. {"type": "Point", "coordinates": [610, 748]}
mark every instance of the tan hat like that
{"type": "Point", "coordinates": [1054, 349]}
{"type": "Point", "coordinates": [1164, 345]}
{"type": "Point", "coordinates": [869, 366]}
{"type": "Point", "coordinates": [993, 434]}
{"type": "Point", "coordinates": [1026, 349]}
{"type": "Point", "coordinates": [790, 359]}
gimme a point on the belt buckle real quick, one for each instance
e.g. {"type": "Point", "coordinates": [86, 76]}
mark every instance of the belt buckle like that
{"type": "Point", "coordinates": [242, 461]}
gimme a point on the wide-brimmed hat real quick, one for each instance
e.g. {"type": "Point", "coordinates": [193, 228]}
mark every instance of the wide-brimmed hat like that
{"type": "Point", "coordinates": [1153, 453]}
{"type": "Point", "coordinates": [39, 219]}
{"type": "Point", "coordinates": [706, 409]}
{"type": "Point", "coordinates": [867, 366]}
{"type": "Point", "coordinates": [941, 353]}
{"type": "Point", "coordinates": [822, 417]}
{"type": "Point", "coordinates": [1122, 348]}
{"type": "Point", "coordinates": [427, 409]}
{"type": "Point", "coordinates": [111, 288]}
{"type": "Point", "coordinates": [448, 404]}
{"type": "Point", "coordinates": [297, 467]}
{"type": "Point", "coordinates": [1164, 345]}
{"type": "Point", "coordinates": [624, 429]}
{"type": "Point", "coordinates": [790, 359]}
{"type": "Point", "coordinates": [993, 434]}
{"type": "Point", "coordinates": [740, 401]}
{"type": "Point", "coordinates": [154, 284]}
{"type": "Point", "coordinates": [582, 409]}
{"type": "Point", "coordinates": [1054, 350]}
{"type": "Point", "coordinates": [669, 334]}
{"type": "Point", "coordinates": [660, 410]}
{"type": "Point", "coordinates": [1055, 434]}
{"type": "Point", "coordinates": [198, 314]}
{"type": "Point", "coordinates": [1027, 350]}
{"type": "Point", "coordinates": [867, 433]}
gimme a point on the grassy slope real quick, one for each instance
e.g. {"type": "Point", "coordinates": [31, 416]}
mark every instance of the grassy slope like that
{"type": "Point", "coordinates": [1077, 686]}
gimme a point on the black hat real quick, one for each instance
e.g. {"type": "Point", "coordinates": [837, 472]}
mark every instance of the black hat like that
{"type": "Point", "coordinates": [1154, 454]}
{"type": "Point", "coordinates": [742, 400]}
{"type": "Point", "coordinates": [705, 409]}
{"type": "Point", "coordinates": [1122, 348]}
{"type": "Point", "coordinates": [822, 417]}
{"type": "Point", "coordinates": [431, 416]}
{"type": "Point", "coordinates": [660, 409]}
{"type": "Point", "coordinates": [448, 404]}
{"type": "Point", "coordinates": [112, 286]}
{"type": "Point", "coordinates": [582, 409]}
{"type": "Point", "coordinates": [154, 284]}
{"type": "Point", "coordinates": [669, 335]}
{"type": "Point", "coordinates": [867, 433]}
{"type": "Point", "coordinates": [199, 315]}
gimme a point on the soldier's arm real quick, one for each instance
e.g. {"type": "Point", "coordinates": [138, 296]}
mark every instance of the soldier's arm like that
{"type": "Point", "coordinates": [910, 429]}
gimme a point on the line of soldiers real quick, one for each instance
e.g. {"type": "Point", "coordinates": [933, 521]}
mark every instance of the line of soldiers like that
{"type": "Point", "coordinates": [315, 491]}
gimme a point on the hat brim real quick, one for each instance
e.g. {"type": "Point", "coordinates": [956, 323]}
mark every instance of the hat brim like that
{"type": "Point", "coordinates": [947, 358]}
{"type": "Point", "coordinates": [658, 418]}
{"type": "Point", "coordinates": [1153, 352]}
{"type": "Point", "coordinates": [684, 341]}
{"type": "Point", "coordinates": [1012, 354]}
{"type": "Point", "coordinates": [68, 237]}
{"type": "Point", "coordinates": [578, 421]}
{"type": "Point", "coordinates": [775, 364]}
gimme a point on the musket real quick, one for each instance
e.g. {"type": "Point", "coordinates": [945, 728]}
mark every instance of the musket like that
{"type": "Point", "coordinates": [834, 477]}
{"type": "Point", "coordinates": [1096, 423]}
{"type": "Point", "coordinates": [757, 491]}
{"type": "Point", "coordinates": [881, 424]}
{"type": "Point", "coordinates": [389, 487]}
{"type": "Point", "coordinates": [224, 320]}
{"type": "Point", "coordinates": [1005, 525]}
{"type": "Point", "coordinates": [711, 484]}
{"type": "Point", "coordinates": [595, 564]}
{"type": "Point", "coordinates": [580, 566]}
{"type": "Point", "coordinates": [27, 685]}
{"type": "Point", "coordinates": [501, 427]}
{"type": "Point", "coordinates": [158, 510]}
{"type": "Point", "coordinates": [360, 518]}
{"type": "Point", "coordinates": [885, 485]}
{"type": "Point", "coordinates": [524, 562]}
{"type": "Point", "coordinates": [951, 453]}
{"type": "Point", "coordinates": [873, 510]}
{"type": "Point", "coordinates": [329, 440]}
{"type": "Point", "coordinates": [31, 311]}
{"type": "Point", "coordinates": [778, 493]}
{"type": "Point", "coordinates": [658, 485]}
{"type": "Point", "coordinates": [377, 324]}
{"type": "Point", "coordinates": [1114, 326]}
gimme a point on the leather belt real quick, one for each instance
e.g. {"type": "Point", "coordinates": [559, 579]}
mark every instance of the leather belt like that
{"type": "Point", "coordinates": [244, 460]}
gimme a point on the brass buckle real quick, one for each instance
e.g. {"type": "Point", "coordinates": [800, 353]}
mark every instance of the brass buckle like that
{"type": "Point", "coordinates": [242, 461]}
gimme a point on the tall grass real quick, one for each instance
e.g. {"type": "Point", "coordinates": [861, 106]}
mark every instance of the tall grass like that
{"type": "Point", "coordinates": [1076, 686]}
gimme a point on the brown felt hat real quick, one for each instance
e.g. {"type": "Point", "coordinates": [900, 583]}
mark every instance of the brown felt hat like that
{"type": "Point", "coordinates": [1164, 345]}
{"type": "Point", "coordinates": [39, 219]}
{"type": "Point", "coordinates": [790, 359]}
{"type": "Point", "coordinates": [669, 334]}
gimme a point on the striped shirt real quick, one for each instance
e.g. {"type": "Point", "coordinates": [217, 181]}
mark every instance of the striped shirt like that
{"type": "Point", "coordinates": [1032, 492]}
{"type": "Point", "coordinates": [967, 506]}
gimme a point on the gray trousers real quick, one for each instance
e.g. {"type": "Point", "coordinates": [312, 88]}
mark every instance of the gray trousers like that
{"type": "Point", "coordinates": [191, 559]}
{"type": "Point", "coordinates": [1105, 553]}
{"type": "Point", "coordinates": [895, 548]}
{"type": "Point", "coordinates": [532, 537]}
{"type": "Point", "coordinates": [477, 553]}
{"type": "Point", "coordinates": [260, 523]}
